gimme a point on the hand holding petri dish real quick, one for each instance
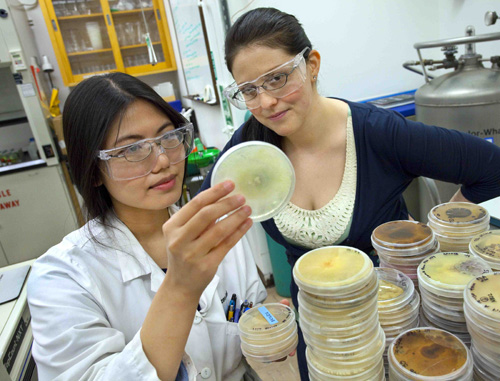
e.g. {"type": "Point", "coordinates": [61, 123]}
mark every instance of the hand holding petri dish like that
{"type": "Point", "coordinates": [261, 173]}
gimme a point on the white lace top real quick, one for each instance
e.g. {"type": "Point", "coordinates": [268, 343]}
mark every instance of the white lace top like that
{"type": "Point", "coordinates": [324, 226]}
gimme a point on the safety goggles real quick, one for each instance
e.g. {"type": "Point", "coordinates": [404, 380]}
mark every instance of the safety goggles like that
{"type": "Point", "coordinates": [279, 82]}
{"type": "Point", "coordinates": [138, 159]}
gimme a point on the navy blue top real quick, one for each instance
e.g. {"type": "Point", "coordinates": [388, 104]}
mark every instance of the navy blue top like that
{"type": "Point", "coordinates": [182, 374]}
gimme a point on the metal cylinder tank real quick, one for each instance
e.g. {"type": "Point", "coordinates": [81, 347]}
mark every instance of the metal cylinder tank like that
{"type": "Point", "coordinates": [468, 100]}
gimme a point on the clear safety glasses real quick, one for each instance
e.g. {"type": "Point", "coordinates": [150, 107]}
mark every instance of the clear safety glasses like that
{"type": "Point", "coordinates": [138, 159]}
{"type": "Point", "coordinates": [279, 82]}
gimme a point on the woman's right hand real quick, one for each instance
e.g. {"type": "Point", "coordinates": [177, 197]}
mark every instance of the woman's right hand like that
{"type": "Point", "coordinates": [197, 242]}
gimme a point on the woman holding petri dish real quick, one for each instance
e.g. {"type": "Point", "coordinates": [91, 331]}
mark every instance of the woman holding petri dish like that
{"type": "Point", "coordinates": [352, 161]}
{"type": "Point", "coordinates": [141, 291]}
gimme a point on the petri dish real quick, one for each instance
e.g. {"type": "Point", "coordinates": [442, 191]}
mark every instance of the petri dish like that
{"type": "Point", "coordinates": [331, 327]}
{"type": "Point", "coordinates": [451, 244]}
{"type": "Point", "coordinates": [268, 332]}
{"type": "Point", "coordinates": [277, 352]}
{"type": "Point", "coordinates": [447, 274]}
{"type": "Point", "coordinates": [371, 348]}
{"type": "Point", "coordinates": [436, 321]}
{"type": "Point", "coordinates": [271, 347]}
{"type": "Point", "coordinates": [391, 331]}
{"type": "Point", "coordinates": [488, 370]}
{"type": "Point", "coordinates": [320, 369]}
{"type": "Point", "coordinates": [332, 270]}
{"type": "Point", "coordinates": [477, 318]}
{"type": "Point", "coordinates": [402, 238]}
{"type": "Point", "coordinates": [347, 343]}
{"type": "Point", "coordinates": [255, 322]}
{"type": "Point", "coordinates": [405, 313]}
{"type": "Point", "coordinates": [426, 322]}
{"type": "Point", "coordinates": [487, 246]}
{"type": "Point", "coordinates": [429, 352]}
{"type": "Point", "coordinates": [489, 347]}
{"type": "Point", "coordinates": [439, 310]}
{"type": "Point", "coordinates": [323, 330]}
{"type": "Point", "coordinates": [338, 317]}
{"type": "Point", "coordinates": [411, 272]}
{"type": "Point", "coordinates": [483, 296]}
{"type": "Point", "coordinates": [455, 304]}
{"type": "Point", "coordinates": [409, 261]}
{"type": "Point", "coordinates": [395, 288]}
{"type": "Point", "coordinates": [491, 335]}
{"type": "Point", "coordinates": [261, 172]}
{"type": "Point", "coordinates": [368, 292]}
{"type": "Point", "coordinates": [458, 217]}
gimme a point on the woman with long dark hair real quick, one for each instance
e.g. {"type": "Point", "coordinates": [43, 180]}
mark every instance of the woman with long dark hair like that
{"type": "Point", "coordinates": [140, 291]}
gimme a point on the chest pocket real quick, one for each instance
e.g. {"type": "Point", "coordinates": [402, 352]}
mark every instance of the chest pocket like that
{"type": "Point", "coordinates": [224, 335]}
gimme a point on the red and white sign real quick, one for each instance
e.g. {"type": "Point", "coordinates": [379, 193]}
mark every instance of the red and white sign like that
{"type": "Point", "coordinates": [4, 203]}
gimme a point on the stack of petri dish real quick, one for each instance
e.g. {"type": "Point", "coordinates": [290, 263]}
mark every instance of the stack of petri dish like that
{"type": "Point", "coordinates": [482, 313]}
{"type": "Point", "coordinates": [455, 223]}
{"type": "Point", "coordinates": [402, 245]}
{"type": "Point", "coordinates": [398, 305]}
{"type": "Point", "coordinates": [425, 354]}
{"type": "Point", "coordinates": [338, 314]}
{"type": "Point", "coordinates": [442, 279]}
{"type": "Point", "coordinates": [268, 332]}
{"type": "Point", "coordinates": [487, 246]}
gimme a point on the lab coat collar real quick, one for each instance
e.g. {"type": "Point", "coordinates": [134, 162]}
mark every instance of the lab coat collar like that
{"type": "Point", "coordinates": [133, 260]}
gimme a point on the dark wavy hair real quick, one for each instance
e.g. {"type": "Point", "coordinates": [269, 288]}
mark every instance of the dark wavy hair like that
{"type": "Point", "coordinates": [89, 112]}
{"type": "Point", "coordinates": [272, 28]}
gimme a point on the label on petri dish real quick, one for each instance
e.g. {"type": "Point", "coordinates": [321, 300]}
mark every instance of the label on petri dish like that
{"type": "Point", "coordinates": [267, 315]}
{"type": "Point", "coordinates": [429, 352]}
{"type": "Point", "coordinates": [453, 269]}
{"type": "Point", "coordinates": [485, 290]}
{"type": "Point", "coordinates": [256, 322]}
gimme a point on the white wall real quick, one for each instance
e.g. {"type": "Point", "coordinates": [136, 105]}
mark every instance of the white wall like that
{"type": "Point", "coordinates": [455, 15]}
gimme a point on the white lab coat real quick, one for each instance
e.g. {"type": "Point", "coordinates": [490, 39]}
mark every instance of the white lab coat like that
{"type": "Point", "coordinates": [88, 303]}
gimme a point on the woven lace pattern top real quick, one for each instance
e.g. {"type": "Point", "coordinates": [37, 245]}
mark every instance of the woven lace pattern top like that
{"type": "Point", "coordinates": [325, 226]}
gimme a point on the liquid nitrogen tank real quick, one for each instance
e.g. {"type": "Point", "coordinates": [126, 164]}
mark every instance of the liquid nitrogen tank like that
{"type": "Point", "coordinates": [466, 99]}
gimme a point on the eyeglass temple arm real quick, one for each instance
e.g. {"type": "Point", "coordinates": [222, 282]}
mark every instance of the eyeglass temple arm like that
{"type": "Point", "coordinates": [103, 155]}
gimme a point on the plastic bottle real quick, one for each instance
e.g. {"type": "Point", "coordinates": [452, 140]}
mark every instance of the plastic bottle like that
{"type": "Point", "coordinates": [32, 150]}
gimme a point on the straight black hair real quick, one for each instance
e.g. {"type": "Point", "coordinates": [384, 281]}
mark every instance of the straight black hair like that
{"type": "Point", "coordinates": [272, 28]}
{"type": "Point", "coordinates": [89, 112]}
